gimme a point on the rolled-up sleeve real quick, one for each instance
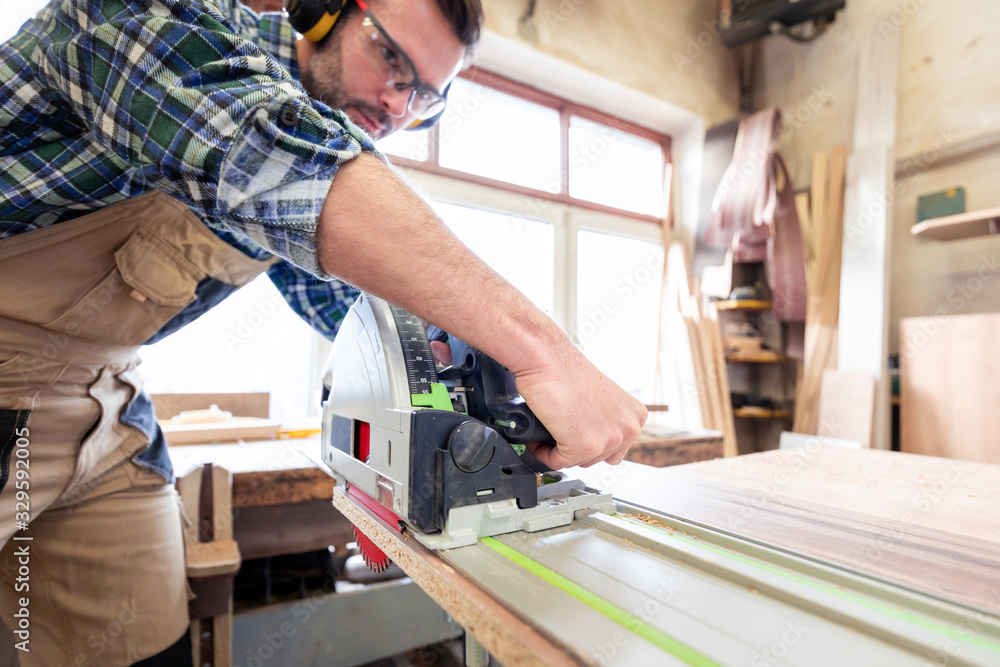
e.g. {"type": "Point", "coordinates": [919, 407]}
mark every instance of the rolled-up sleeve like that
{"type": "Point", "coordinates": [206, 115]}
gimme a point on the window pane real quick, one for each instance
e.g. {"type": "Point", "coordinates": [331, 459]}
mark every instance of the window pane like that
{"type": "Point", "coordinates": [411, 145]}
{"type": "Point", "coordinates": [489, 133]}
{"type": "Point", "coordinates": [519, 249]}
{"type": "Point", "coordinates": [13, 14]}
{"type": "Point", "coordinates": [611, 167]}
{"type": "Point", "coordinates": [252, 341]}
{"type": "Point", "coordinates": [618, 307]}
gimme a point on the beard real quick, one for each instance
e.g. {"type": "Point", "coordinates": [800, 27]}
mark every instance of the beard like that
{"type": "Point", "coordinates": [323, 80]}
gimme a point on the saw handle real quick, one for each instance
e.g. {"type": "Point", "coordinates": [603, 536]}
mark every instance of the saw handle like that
{"type": "Point", "coordinates": [494, 398]}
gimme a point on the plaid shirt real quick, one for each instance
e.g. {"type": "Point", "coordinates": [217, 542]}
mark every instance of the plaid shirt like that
{"type": "Point", "coordinates": [103, 100]}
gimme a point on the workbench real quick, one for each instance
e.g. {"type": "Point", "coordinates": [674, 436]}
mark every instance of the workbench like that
{"type": "Point", "coordinates": [899, 536]}
{"type": "Point", "coordinates": [673, 448]}
{"type": "Point", "coordinates": [281, 498]}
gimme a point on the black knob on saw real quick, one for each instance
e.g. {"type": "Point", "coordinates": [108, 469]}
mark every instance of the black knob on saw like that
{"type": "Point", "coordinates": [472, 445]}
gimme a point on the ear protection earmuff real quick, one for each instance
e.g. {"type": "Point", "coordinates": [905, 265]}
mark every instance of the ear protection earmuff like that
{"type": "Point", "coordinates": [314, 19]}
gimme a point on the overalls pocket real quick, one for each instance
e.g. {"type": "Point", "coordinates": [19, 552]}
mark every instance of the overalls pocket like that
{"type": "Point", "coordinates": [148, 284]}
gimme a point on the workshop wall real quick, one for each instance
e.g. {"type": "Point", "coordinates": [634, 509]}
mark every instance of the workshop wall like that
{"type": "Point", "coordinates": [666, 49]}
{"type": "Point", "coordinates": [948, 93]}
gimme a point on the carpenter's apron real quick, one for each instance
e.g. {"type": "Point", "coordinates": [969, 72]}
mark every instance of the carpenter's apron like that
{"type": "Point", "coordinates": [105, 572]}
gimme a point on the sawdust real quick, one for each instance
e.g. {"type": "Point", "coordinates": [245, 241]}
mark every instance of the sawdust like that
{"type": "Point", "coordinates": [650, 521]}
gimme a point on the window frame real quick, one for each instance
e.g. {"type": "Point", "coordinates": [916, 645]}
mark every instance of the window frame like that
{"type": "Point", "coordinates": [566, 110]}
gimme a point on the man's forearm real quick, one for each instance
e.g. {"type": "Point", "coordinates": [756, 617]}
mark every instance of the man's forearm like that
{"type": "Point", "coordinates": [377, 234]}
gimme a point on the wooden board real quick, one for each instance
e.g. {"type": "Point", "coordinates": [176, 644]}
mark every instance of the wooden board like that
{"type": "Point", "coordinates": [864, 280]}
{"type": "Point", "coordinates": [824, 236]}
{"type": "Point", "coordinates": [679, 375]}
{"type": "Point", "coordinates": [513, 641]}
{"type": "Point", "coordinates": [728, 426]}
{"type": "Point", "coordinates": [238, 428]}
{"type": "Point", "coordinates": [255, 404]}
{"type": "Point", "coordinates": [276, 530]}
{"type": "Point", "coordinates": [676, 449]}
{"type": "Point", "coordinates": [846, 406]}
{"type": "Point", "coordinates": [264, 473]}
{"type": "Point", "coordinates": [949, 394]}
{"type": "Point", "coordinates": [925, 522]}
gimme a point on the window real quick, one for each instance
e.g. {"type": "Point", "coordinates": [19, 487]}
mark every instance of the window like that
{"type": "Point", "coordinates": [13, 13]}
{"type": "Point", "coordinates": [618, 307]}
{"type": "Point", "coordinates": [252, 341]}
{"type": "Point", "coordinates": [512, 137]}
{"type": "Point", "coordinates": [519, 249]}
{"type": "Point", "coordinates": [489, 133]}
{"type": "Point", "coordinates": [608, 166]}
{"type": "Point", "coordinates": [559, 199]}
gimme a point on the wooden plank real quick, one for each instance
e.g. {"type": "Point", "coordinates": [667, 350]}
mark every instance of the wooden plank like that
{"type": "Point", "coordinates": [925, 522]}
{"type": "Point", "coordinates": [245, 428]}
{"type": "Point", "coordinates": [802, 208]}
{"type": "Point", "coordinates": [959, 226]}
{"type": "Point", "coordinates": [948, 389]}
{"type": "Point", "coordinates": [189, 489]}
{"type": "Point", "coordinates": [729, 445]}
{"type": "Point", "coordinates": [678, 379]}
{"type": "Point", "coordinates": [822, 312]}
{"type": "Point", "coordinates": [833, 236]}
{"type": "Point", "coordinates": [706, 372]}
{"type": "Point", "coordinates": [817, 198]}
{"type": "Point", "coordinates": [864, 286]}
{"type": "Point", "coordinates": [701, 445]}
{"type": "Point", "coordinates": [846, 406]}
{"type": "Point", "coordinates": [746, 304]}
{"type": "Point", "coordinates": [807, 391]}
{"type": "Point", "coordinates": [511, 640]}
{"type": "Point", "coordinates": [864, 281]}
{"type": "Point", "coordinates": [251, 404]}
{"type": "Point", "coordinates": [276, 530]}
{"type": "Point", "coordinates": [264, 473]}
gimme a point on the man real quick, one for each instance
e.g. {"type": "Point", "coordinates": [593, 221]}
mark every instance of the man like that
{"type": "Point", "coordinates": [107, 108]}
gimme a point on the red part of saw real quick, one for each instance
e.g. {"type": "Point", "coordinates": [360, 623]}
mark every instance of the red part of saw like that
{"type": "Point", "coordinates": [375, 558]}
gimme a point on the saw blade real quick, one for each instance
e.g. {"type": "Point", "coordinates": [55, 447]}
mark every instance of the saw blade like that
{"type": "Point", "coordinates": [374, 557]}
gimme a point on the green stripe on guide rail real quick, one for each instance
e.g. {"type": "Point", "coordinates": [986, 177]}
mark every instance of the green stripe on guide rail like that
{"type": "Point", "coordinates": [955, 633]}
{"type": "Point", "coordinates": [627, 620]}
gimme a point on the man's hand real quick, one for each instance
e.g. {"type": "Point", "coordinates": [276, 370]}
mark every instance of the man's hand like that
{"type": "Point", "coordinates": [590, 417]}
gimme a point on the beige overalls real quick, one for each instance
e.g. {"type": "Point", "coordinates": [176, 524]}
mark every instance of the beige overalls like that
{"type": "Point", "coordinates": [100, 565]}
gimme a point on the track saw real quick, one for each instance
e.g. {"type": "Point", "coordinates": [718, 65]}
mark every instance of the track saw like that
{"type": "Point", "coordinates": [438, 452]}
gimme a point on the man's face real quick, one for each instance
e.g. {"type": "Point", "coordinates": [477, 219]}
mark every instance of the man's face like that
{"type": "Point", "coordinates": [340, 72]}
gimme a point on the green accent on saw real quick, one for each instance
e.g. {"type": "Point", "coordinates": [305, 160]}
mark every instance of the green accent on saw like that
{"type": "Point", "coordinates": [437, 399]}
{"type": "Point", "coordinates": [627, 620]}
{"type": "Point", "coordinates": [519, 449]}
{"type": "Point", "coordinates": [855, 598]}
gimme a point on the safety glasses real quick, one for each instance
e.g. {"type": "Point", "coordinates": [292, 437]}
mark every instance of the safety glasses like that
{"type": "Point", "coordinates": [391, 60]}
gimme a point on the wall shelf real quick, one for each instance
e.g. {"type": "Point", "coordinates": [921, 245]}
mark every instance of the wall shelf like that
{"type": "Point", "coordinates": [743, 304]}
{"type": "Point", "coordinates": [754, 412]}
{"type": "Point", "coordinates": [762, 357]}
{"type": "Point", "coordinates": [959, 226]}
